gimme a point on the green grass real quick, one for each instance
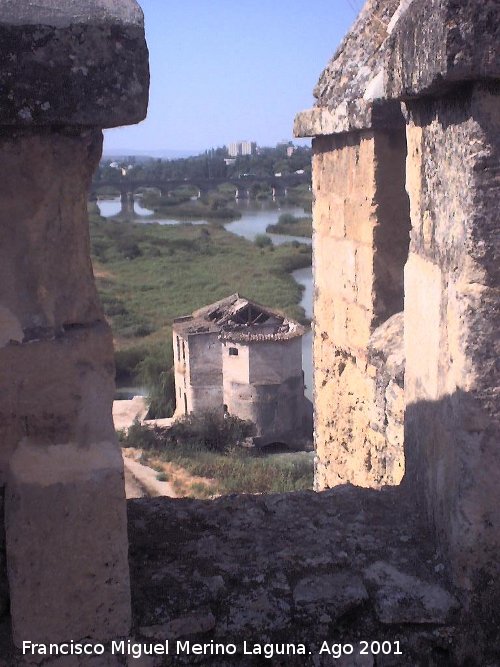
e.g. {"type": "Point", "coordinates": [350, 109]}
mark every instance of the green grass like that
{"type": "Point", "coordinates": [179, 204]}
{"type": "Point", "coordinates": [290, 224]}
{"type": "Point", "coordinates": [234, 469]}
{"type": "Point", "coordinates": [240, 470]}
{"type": "Point", "coordinates": [149, 274]}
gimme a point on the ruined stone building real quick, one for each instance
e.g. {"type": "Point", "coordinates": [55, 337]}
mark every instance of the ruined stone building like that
{"type": "Point", "coordinates": [406, 163]}
{"type": "Point", "coordinates": [240, 357]}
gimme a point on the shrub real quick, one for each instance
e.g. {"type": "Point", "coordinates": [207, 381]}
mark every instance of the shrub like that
{"type": "Point", "coordinates": [141, 436]}
{"type": "Point", "coordinates": [263, 241]}
{"type": "Point", "coordinates": [155, 371]}
{"type": "Point", "coordinates": [126, 362]}
{"type": "Point", "coordinates": [212, 430]}
{"type": "Point", "coordinates": [287, 219]}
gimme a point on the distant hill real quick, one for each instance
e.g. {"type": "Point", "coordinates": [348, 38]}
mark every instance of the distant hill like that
{"type": "Point", "coordinates": [166, 153]}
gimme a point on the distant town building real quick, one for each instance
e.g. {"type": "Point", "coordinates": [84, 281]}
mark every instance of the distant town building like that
{"type": "Point", "coordinates": [237, 148]}
{"type": "Point", "coordinates": [239, 357]}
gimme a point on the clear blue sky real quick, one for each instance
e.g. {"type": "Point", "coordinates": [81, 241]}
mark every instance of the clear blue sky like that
{"type": "Point", "coordinates": [223, 70]}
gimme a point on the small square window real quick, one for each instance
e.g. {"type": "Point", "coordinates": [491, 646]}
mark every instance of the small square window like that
{"type": "Point", "coordinates": [233, 352]}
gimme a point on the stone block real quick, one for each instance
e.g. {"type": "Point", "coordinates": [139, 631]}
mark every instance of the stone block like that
{"type": "Point", "coordinates": [63, 390]}
{"type": "Point", "coordinates": [441, 43]}
{"type": "Point", "coordinates": [360, 219]}
{"type": "Point", "coordinates": [403, 598]}
{"type": "Point", "coordinates": [73, 63]}
{"type": "Point", "coordinates": [67, 542]}
{"type": "Point", "coordinates": [365, 277]}
{"type": "Point", "coordinates": [46, 279]}
{"type": "Point", "coordinates": [328, 214]}
{"type": "Point", "coordinates": [348, 116]}
{"type": "Point", "coordinates": [359, 325]}
{"type": "Point", "coordinates": [338, 593]}
{"type": "Point", "coordinates": [423, 298]}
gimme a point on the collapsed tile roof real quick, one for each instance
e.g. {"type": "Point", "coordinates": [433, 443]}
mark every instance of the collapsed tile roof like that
{"type": "Point", "coordinates": [239, 320]}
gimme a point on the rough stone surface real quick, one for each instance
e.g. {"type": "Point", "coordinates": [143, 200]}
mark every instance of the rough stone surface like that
{"type": "Point", "coordinates": [441, 43]}
{"type": "Point", "coordinates": [351, 90]}
{"type": "Point", "coordinates": [284, 568]}
{"type": "Point", "coordinates": [67, 500]}
{"type": "Point", "coordinates": [452, 313]}
{"type": "Point", "coordinates": [404, 598]}
{"type": "Point", "coordinates": [361, 236]}
{"type": "Point", "coordinates": [359, 57]}
{"type": "Point", "coordinates": [72, 63]}
{"type": "Point", "coordinates": [348, 116]}
{"type": "Point", "coordinates": [63, 390]}
{"type": "Point", "coordinates": [69, 69]}
{"type": "Point", "coordinates": [299, 567]}
{"type": "Point", "coordinates": [46, 280]}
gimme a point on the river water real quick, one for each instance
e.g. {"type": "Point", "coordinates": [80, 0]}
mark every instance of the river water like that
{"type": "Point", "coordinates": [255, 217]}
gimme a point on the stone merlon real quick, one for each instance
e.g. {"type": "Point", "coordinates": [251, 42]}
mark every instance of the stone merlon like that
{"type": "Point", "coordinates": [81, 63]}
{"type": "Point", "coordinates": [441, 43]}
{"type": "Point", "coordinates": [350, 92]}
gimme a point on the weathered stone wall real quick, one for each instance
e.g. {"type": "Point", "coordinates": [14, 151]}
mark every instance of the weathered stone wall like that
{"type": "Point", "coordinates": [360, 245]}
{"type": "Point", "coordinates": [69, 70]}
{"type": "Point", "coordinates": [198, 373]}
{"type": "Point", "coordinates": [452, 312]}
{"type": "Point", "coordinates": [264, 383]}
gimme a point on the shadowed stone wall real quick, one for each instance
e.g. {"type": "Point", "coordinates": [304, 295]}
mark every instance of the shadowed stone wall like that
{"type": "Point", "coordinates": [360, 242]}
{"type": "Point", "coordinates": [452, 311]}
{"type": "Point", "coordinates": [69, 70]}
{"type": "Point", "coordinates": [441, 58]}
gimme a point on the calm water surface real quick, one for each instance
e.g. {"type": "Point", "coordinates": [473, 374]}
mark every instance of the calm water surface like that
{"type": "Point", "coordinates": [255, 217]}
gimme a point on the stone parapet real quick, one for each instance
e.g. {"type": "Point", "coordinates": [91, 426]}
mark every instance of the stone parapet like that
{"type": "Point", "coordinates": [451, 327]}
{"type": "Point", "coordinates": [83, 62]}
{"type": "Point", "coordinates": [65, 525]}
{"type": "Point", "coordinates": [348, 116]}
{"type": "Point", "coordinates": [437, 44]}
{"type": "Point", "coordinates": [69, 70]}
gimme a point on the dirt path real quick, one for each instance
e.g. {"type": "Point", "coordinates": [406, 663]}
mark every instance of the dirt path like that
{"type": "Point", "coordinates": [144, 480]}
{"type": "Point", "coordinates": [132, 487]}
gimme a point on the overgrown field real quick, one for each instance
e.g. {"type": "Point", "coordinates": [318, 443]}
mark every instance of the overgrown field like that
{"type": "Point", "coordinates": [148, 274]}
{"type": "Point", "coordinates": [222, 471]}
{"type": "Point", "coordinates": [292, 225]}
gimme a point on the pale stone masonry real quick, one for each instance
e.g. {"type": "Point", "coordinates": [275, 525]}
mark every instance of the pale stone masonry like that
{"type": "Point", "coordinates": [68, 70]}
{"type": "Point", "coordinates": [361, 234]}
{"type": "Point", "coordinates": [441, 59]}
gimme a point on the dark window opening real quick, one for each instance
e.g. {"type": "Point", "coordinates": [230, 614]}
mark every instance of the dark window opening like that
{"type": "Point", "coordinates": [233, 352]}
{"type": "Point", "coordinates": [392, 234]}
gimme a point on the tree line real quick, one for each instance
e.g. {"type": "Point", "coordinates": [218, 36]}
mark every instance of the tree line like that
{"type": "Point", "coordinates": [213, 163]}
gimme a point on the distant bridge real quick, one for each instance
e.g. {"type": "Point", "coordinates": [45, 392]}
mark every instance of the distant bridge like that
{"type": "Point", "coordinates": [127, 185]}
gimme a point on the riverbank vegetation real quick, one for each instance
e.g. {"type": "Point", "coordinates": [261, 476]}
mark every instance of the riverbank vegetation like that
{"type": "Point", "coordinates": [292, 225]}
{"type": "Point", "coordinates": [218, 471]}
{"type": "Point", "coordinates": [149, 274]}
{"type": "Point", "coordinates": [182, 204]}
